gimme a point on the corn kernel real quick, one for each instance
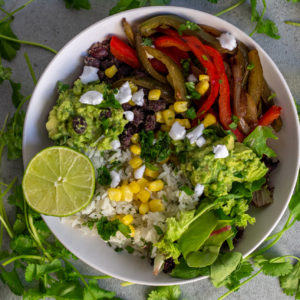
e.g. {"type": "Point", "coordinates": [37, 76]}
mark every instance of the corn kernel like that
{"type": "Point", "coordinates": [156, 185]}
{"type": "Point", "coordinates": [156, 205]}
{"type": "Point", "coordinates": [136, 162]}
{"type": "Point", "coordinates": [209, 119]}
{"type": "Point", "coordinates": [151, 173]}
{"type": "Point", "coordinates": [143, 183]}
{"type": "Point", "coordinates": [159, 117]}
{"type": "Point", "coordinates": [154, 94]}
{"type": "Point", "coordinates": [126, 193]}
{"type": "Point", "coordinates": [184, 122]}
{"type": "Point", "coordinates": [203, 77]}
{"type": "Point", "coordinates": [111, 71]}
{"type": "Point", "coordinates": [165, 128]}
{"type": "Point", "coordinates": [135, 149]}
{"type": "Point", "coordinates": [144, 208]}
{"type": "Point", "coordinates": [202, 87]}
{"type": "Point", "coordinates": [135, 138]}
{"type": "Point", "coordinates": [143, 195]}
{"type": "Point", "coordinates": [169, 116]}
{"type": "Point", "coordinates": [131, 103]}
{"type": "Point", "coordinates": [134, 88]}
{"type": "Point", "coordinates": [132, 230]}
{"type": "Point", "coordinates": [180, 106]}
{"type": "Point", "coordinates": [127, 220]}
{"type": "Point", "coordinates": [134, 187]}
{"type": "Point", "coordinates": [114, 194]}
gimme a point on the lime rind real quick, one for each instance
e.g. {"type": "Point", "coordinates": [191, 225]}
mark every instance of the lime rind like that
{"type": "Point", "coordinates": [89, 167]}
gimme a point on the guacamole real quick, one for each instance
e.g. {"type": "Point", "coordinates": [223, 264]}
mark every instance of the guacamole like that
{"type": "Point", "coordinates": [79, 125]}
{"type": "Point", "coordinates": [218, 174]}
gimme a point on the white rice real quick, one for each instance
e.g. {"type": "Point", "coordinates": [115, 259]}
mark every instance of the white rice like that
{"type": "Point", "coordinates": [173, 199]}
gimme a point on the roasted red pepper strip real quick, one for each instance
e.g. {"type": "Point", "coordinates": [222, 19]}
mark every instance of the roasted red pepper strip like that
{"type": "Point", "coordinates": [200, 52]}
{"type": "Point", "coordinates": [171, 41]}
{"type": "Point", "coordinates": [225, 114]}
{"type": "Point", "coordinates": [158, 66]}
{"type": "Point", "coordinates": [221, 230]}
{"type": "Point", "coordinates": [270, 115]}
{"type": "Point", "coordinates": [169, 32]}
{"type": "Point", "coordinates": [124, 53]}
{"type": "Point", "coordinates": [239, 135]}
{"type": "Point", "coordinates": [175, 54]}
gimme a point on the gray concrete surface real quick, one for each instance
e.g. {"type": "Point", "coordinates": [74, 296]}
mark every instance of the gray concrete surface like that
{"type": "Point", "coordinates": [49, 22]}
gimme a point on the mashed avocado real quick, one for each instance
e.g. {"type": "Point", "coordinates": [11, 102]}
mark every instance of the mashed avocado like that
{"type": "Point", "coordinates": [217, 175]}
{"type": "Point", "coordinates": [79, 125]}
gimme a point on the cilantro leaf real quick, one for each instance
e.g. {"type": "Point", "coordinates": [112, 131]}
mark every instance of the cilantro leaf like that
{"type": "Point", "coordinates": [147, 42]}
{"type": "Point", "coordinates": [187, 26]}
{"type": "Point", "coordinates": [23, 244]}
{"type": "Point", "coordinates": [37, 271]}
{"type": "Point", "coordinates": [12, 280]}
{"type": "Point", "coordinates": [104, 177]}
{"type": "Point", "coordinates": [278, 266]}
{"type": "Point", "coordinates": [244, 270]}
{"type": "Point", "coordinates": [61, 87]}
{"type": "Point", "coordinates": [158, 229]}
{"type": "Point", "coordinates": [269, 28]}
{"type": "Point", "coordinates": [257, 139]}
{"type": "Point", "coordinates": [187, 190]}
{"type": "Point", "coordinates": [95, 292]}
{"type": "Point", "coordinates": [8, 49]}
{"type": "Point", "coordinates": [165, 293]}
{"type": "Point", "coordinates": [107, 229]}
{"type": "Point", "coordinates": [290, 282]}
{"type": "Point", "coordinates": [5, 73]}
{"type": "Point", "coordinates": [191, 89]}
{"type": "Point", "coordinates": [12, 137]}
{"type": "Point", "coordinates": [17, 97]}
{"type": "Point", "coordinates": [191, 113]}
{"type": "Point", "coordinates": [78, 4]}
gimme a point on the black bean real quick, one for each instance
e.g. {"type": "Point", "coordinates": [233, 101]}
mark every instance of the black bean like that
{"type": "Point", "coordinates": [155, 105]}
{"type": "Point", "coordinates": [105, 114]}
{"type": "Point", "coordinates": [139, 116]}
{"type": "Point", "coordinates": [79, 124]}
{"type": "Point", "coordinates": [91, 61]}
{"type": "Point", "coordinates": [150, 122]}
{"type": "Point", "coordinates": [169, 265]}
{"type": "Point", "coordinates": [97, 50]}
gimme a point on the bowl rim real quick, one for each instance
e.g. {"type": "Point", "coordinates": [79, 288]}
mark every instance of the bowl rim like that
{"type": "Point", "coordinates": [141, 13]}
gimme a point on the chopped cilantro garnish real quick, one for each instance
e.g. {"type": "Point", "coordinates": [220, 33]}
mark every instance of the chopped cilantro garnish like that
{"type": "Point", "coordinates": [187, 26]}
{"type": "Point", "coordinates": [147, 42]}
{"type": "Point", "coordinates": [187, 190]}
{"type": "Point", "coordinates": [191, 113]}
{"type": "Point", "coordinates": [158, 230]}
{"type": "Point", "coordinates": [104, 177]}
{"type": "Point", "coordinates": [192, 93]}
{"type": "Point", "coordinates": [250, 67]}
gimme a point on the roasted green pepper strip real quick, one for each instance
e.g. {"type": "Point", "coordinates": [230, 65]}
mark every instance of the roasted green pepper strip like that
{"type": "Point", "coordinates": [175, 75]}
{"type": "Point", "coordinates": [256, 78]}
{"type": "Point", "coordinates": [148, 83]}
{"type": "Point", "coordinates": [128, 31]}
{"type": "Point", "coordinates": [142, 54]}
{"type": "Point", "coordinates": [148, 28]}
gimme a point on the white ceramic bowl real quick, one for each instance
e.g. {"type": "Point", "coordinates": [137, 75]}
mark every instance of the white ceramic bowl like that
{"type": "Point", "coordinates": [67, 65]}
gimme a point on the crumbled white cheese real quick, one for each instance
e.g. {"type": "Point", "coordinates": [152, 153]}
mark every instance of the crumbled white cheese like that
{"type": "Point", "coordinates": [124, 94]}
{"type": "Point", "coordinates": [138, 173]}
{"type": "Point", "coordinates": [129, 115]}
{"type": "Point", "coordinates": [115, 179]}
{"type": "Point", "coordinates": [198, 191]}
{"type": "Point", "coordinates": [227, 41]}
{"type": "Point", "coordinates": [89, 74]}
{"type": "Point", "coordinates": [192, 78]}
{"type": "Point", "coordinates": [195, 134]}
{"type": "Point", "coordinates": [177, 132]}
{"type": "Point", "coordinates": [138, 97]}
{"type": "Point", "coordinates": [220, 151]}
{"type": "Point", "coordinates": [115, 144]}
{"type": "Point", "coordinates": [201, 141]}
{"type": "Point", "coordinates": [91, 97]}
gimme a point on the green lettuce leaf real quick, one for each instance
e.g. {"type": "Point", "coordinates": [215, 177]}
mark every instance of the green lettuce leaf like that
{"type": "Point", "coordinates": [257, 141]}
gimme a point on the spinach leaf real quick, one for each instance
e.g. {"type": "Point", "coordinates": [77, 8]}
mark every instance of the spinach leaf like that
{"type": "Point", "coordinates": [224, 266]}
{"type": "Point", "coordinates": [193, 238]}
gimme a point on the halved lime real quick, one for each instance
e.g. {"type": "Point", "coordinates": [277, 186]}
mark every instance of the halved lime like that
{"type": "Point", "coordinates": [59, 181]}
